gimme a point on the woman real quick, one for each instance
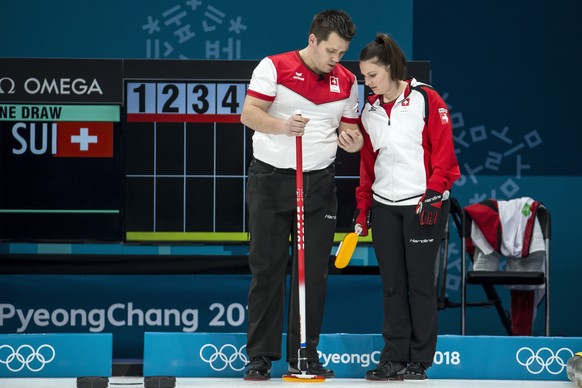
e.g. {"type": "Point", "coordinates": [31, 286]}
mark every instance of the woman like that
{"type": "Point", "coordinates": [407, 167]}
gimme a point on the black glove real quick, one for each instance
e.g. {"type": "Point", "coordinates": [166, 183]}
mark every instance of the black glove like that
{"type": "Point", "coordinates": [429, 207]}
{"type": "Point", "coordinates": [362, 221]}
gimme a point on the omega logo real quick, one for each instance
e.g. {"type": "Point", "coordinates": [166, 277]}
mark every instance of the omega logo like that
{"type": "Point", "coordinates": [62, 86]}
{"type": "Point", "coordinates": [7, 85]}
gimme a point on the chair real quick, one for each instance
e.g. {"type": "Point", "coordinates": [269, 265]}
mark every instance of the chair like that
{"type": "Point", "coordinates": [443, 302]}
{"type": "Point", "coordinates": [441, 263]}
{"type": "Point", "coordinates": [489, 279]}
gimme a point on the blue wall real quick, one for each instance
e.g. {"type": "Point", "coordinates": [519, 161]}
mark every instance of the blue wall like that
{"type": "Point", "coordinates": [513, 68]}
{"type": "Point", "coordinates": [181, 28]}
{"type": "Point", "coordinates": [508, 70]}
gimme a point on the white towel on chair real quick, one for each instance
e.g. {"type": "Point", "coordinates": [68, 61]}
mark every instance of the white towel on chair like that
{"type": "Point", "coordinates": [513, 224]}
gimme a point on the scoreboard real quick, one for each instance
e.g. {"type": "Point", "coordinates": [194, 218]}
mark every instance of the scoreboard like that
{"type": "Point", "coordinates": [187, 152]}
{"type": "Point", "coordinates": [60, 158]}
{"type": "Point", "coordinates": [179, 154]}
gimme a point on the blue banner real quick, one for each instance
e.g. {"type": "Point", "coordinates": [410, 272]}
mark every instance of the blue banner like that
{"type": "Point", "coordinates": [351, 355]}
{"type": "Point", "coordinates": [55, 355]}
{"type": "Point", "coordinates": [129, 305]}
{"type": "Point", "coordinates": [503, 358]}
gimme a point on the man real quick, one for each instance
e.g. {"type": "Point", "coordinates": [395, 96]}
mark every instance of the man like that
{"type": "Point", "coordinates": [310, 81]}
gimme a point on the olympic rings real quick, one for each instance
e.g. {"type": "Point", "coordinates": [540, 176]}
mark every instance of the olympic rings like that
{"type": "Point", "coordinates": [544, 359]}
{"type": "Point", "coordinates": [227, 356]}
{"type": "Point", "coordinates": [26, 356]}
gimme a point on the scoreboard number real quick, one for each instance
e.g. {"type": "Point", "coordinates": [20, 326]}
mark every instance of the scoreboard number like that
{"type": "Point", "coordinates": [231, 97]}
{"type": "Point", "coordinates": [171, 98]}
{"type": "Point", "coordinates": [202, 97]}
{"type": "Point", "coordinates": [185, 98]}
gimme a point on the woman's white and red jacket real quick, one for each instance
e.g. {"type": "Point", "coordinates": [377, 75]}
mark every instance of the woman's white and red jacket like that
{"type": "Point", "coordinates": [408, 148]}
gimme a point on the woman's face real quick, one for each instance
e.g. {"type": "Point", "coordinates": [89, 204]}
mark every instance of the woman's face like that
{"type": "Point", "coordinates": [376, 76]}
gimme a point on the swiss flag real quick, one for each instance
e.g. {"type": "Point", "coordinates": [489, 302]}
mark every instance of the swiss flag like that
{"type": "Point", "coordinates": [84, 139]}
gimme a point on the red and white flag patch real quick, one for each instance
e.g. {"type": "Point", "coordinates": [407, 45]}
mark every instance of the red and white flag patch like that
{"type": "Point", "coordinates": [444, 115]}
{"type": "Point", "coordinates": [84, 139]}
{"type": "Point", "coordinates": [334, 84]}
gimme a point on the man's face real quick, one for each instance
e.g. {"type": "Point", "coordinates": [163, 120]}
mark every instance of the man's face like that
{"type": "Point", "coordinates": [328, 53]}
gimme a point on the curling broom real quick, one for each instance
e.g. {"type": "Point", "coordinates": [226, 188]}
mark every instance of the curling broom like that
{"type": "Point", "coordinates": [302, 351]}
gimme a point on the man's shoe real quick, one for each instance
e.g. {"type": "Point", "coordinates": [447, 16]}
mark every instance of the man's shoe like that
{"type": "Point", "coordinates": [387, 370]}
{"type": "Point", "coordinates": [260, 368]}
{"type": "Point", "coordinates": [313, 368]}
{"type": "Point", "coordinates": [415, 371]}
